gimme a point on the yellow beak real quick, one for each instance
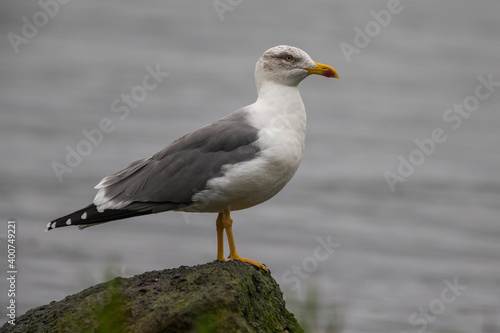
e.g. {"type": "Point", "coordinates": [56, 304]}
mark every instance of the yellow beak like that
{"type": "Point", "coordinates": [324, 70]}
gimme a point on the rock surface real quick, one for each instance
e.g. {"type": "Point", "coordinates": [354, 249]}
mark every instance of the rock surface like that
{"type": "Point", "coordinates": [214, 297]}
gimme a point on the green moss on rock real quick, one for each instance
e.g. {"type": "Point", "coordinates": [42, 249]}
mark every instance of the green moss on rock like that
{"type": "Point", "coordinates": [214, 297]}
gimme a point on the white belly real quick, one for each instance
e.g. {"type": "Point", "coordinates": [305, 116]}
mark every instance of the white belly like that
{"type": "Point", "coordinates": [250, 183]}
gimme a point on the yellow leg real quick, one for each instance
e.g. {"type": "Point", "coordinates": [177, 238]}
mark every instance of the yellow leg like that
{"type": "Point", "coordinates": [220, 238]}
{"type": "Point", "coordinates": [227, 223]}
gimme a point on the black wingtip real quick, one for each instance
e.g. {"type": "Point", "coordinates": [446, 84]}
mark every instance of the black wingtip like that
{"type": "Point", "coordinates": [76, 218]}
{"type": "Point", "coordinates": [89, 216]}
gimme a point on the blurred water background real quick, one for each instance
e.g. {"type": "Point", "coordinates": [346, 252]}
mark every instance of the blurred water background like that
{"type": "Point", "coordinates": [397, 253]}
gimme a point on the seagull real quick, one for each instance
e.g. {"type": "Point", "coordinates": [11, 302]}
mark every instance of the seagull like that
{"type": "Point", "coordinates": [235, 163]}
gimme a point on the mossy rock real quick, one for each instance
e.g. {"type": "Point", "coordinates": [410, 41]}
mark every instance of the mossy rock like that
{"type": "Point", "coordinates": [215, 297]}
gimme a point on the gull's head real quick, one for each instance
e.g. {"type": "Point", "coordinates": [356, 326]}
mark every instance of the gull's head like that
{"type": "Point", "coordinates": [288, 65]}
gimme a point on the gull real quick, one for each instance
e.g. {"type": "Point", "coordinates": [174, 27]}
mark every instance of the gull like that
{"type": "Point", "coordinates": [235, 163]}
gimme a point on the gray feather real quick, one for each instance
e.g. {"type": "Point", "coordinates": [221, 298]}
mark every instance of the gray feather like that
{"type": "Point", "coordinates": [182, 169]}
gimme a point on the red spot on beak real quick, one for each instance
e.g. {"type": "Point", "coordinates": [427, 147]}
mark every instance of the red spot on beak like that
{"type": "Point", "coordinates": [329, 73]}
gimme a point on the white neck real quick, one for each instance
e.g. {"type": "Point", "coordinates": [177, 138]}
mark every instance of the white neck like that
{"type": "Point", "coordinates": [277, 98]}
{"type": "Point", "coordinates": [279, 109]}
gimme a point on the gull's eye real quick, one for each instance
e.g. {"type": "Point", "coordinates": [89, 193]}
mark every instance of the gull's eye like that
{"type": "Point", "coordinates": [289, 58]}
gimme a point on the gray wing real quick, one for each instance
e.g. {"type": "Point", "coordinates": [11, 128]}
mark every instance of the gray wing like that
{"type": "Point", "coordinates": [170, 178]}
